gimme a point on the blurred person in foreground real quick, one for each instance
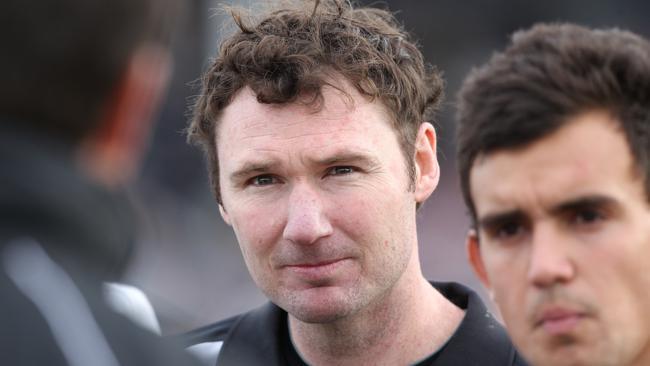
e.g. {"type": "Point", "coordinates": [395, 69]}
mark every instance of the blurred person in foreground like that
{"type": "Point", "coordinates": [554, 157]}
{"type": "Point", "coordinates": [79, 81]}
{"type": "Point", "coordinates": [313, 118]}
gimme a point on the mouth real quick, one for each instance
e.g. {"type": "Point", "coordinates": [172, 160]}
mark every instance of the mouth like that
{"type": "Point", "coordinates": [559, 320]}
{"type": "Point", "coordinates": [316, 270]}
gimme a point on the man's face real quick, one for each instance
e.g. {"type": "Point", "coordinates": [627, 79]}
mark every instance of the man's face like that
{"type": "Point", "coordinates": [564, 230]}
{"type": "Point", "coordinates": [319, 201]}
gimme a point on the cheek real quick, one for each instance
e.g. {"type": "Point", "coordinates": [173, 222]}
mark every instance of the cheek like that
{"type": "Point", "coordinates": [509, 294]}
{"type": "Point", "coordinates": [511, 301]}
{"type": "Point", "coordinates": [617, 285]}
{"type": "Point", "coordinates": [505, 267]}
{"type": "Point", "coordinates": [370, 215]}
{"type": "Point", "coordinates": [256, 232]}
{"type": "Point", "coordinates": [617, 261]}
{"type": "Point", "coordinates": [350, 210]}
{"type": "Point", "coordinates": [621, 283]}
{"type": "Point", "coordinates": [362, 219]}
{"type": "Point", "coordinates": [384, 225]}
{"type": "Point", "coordinates": [507, 273]}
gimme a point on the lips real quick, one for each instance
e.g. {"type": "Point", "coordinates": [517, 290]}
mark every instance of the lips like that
{"type": "Point", "coordinates": [316, 270]}
{"type": "Point", "coordinates": [315, 264]}
{"type": "Point", "coordinates": [559, 320]}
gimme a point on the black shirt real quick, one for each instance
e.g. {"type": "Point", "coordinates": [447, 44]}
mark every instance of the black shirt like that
{"type": "Point", "coordinates": [58, 227]}
{"type": "Point", "coordinates": [261, 337]}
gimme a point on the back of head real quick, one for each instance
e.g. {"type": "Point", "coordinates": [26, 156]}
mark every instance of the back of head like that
{"type": "Point", "coordinates": [64, 61]}
{"type": "Point", "coordinates": [63, 58]}
{"type": "Point", "coordinates": [549, 74]}
{"type": "Point", "coordinates": [287, 53]}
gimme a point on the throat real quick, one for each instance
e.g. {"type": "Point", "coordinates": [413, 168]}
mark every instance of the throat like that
{"type": "Point", "coordinates": [403, 330]}
{"type": "Point", "coordinates": [341, 343]}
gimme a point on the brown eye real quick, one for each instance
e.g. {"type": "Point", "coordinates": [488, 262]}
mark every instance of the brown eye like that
{"type": "Point", "coordinates": [509, 230]}
{"type": "Point", "coordinates": [588, 217]}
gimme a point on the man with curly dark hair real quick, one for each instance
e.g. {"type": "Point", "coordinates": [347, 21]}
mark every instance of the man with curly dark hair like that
{"type": "Point", "coordinates": [315, 121]}
{"type": "Point", "coordinates": [554, 157]}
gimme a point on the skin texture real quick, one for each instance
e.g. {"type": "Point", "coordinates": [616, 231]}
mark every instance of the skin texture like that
{"type": "Point", "coordinates": [320, 203]}
{"type": "Point", "coordinates": [564, 228]}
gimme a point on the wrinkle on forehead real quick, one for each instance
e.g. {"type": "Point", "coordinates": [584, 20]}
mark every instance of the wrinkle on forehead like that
{"type": "Point", "coordinates": [290, 122]}
{"type": "Point", "coordinates": [296, 135]}
{"type": "Point", "coordinates": [338, 100]}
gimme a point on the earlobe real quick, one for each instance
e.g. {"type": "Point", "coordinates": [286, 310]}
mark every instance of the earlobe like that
{"type": "Point", "coordinates": [426, 162]}
{"type": "Point", "coordinates": [224, 214]}
{"type": "Point", "coordinates": [475, 258]}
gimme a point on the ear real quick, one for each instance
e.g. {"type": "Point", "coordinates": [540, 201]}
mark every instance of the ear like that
{"type": "Point", "coordinates": [475, 258]}
{"type": "Point", "coordinates": [224, 214]}
{"type": "Point", "coordinates": [427, 170]}
{"type": "Point", "coordinates": [112, 154]}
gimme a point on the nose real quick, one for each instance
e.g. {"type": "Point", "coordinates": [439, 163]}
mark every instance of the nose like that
{"type": "Point", "coordinates": [306, 218]}
{"type": "Point", "coordinates": [550, 259]}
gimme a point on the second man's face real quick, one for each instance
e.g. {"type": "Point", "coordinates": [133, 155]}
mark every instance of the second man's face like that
{"type": "Point", "coordinates": [564, 228]}
{"type": "Point", "coordinates": [319, 201]}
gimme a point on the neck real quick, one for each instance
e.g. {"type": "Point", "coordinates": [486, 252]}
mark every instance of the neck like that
{"type": "Point", "coordinates": [408, 324]}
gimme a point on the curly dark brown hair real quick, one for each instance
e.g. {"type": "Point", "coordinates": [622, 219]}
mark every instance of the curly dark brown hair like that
{"type": "Point", "coordinates": [549, 74]}
{"type": "Point", "coordinates": [294, 50]}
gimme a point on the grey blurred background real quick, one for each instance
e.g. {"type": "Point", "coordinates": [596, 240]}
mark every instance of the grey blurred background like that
{"type": "Point", "coordinates": [188, 261]}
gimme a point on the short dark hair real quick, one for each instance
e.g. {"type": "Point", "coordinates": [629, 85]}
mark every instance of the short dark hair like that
{"type": "Point", "coordinates": [549, 74]}
{"type": "Point", "coordinates": [62, 59]}
{"type": "Point", "coordinates": [293, 51]}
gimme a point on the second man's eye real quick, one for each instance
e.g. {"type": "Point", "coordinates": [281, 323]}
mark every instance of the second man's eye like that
{"type": "Point", "coordinates": [509, 230]}
{"type": "Point", "coordinates": [588, 217]}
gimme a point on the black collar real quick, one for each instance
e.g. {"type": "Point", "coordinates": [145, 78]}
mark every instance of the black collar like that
{"type": "Point", "coordinates": [255, 338]}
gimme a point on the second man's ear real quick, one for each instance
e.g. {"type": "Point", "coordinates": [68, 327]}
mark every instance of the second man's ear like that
{"type": "Point", "coordinates": [427, 170]}
{"type": "Point", "coordinates": [475, 258]}
{"type": "Point", "coordinates": [224, 214]}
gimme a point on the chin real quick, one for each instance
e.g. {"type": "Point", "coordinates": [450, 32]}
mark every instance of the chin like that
{"type": "Point", "coordinates": [318, 306]}
{"type": "Point", "coordinates": [568, 356]}
{"type": "Point", "coordinates": [317, 316]}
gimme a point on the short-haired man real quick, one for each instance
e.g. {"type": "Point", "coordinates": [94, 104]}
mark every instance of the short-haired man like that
{"type": "Point", "coordinates": [79, 80]}
{"type": "Point", "coordinates": [313, 122]}
{"type": "Point", "coordinates": [554, 157]}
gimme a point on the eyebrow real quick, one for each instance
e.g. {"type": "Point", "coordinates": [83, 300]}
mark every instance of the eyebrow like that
{"type": "Point", "coordinates": [347, 158]}
{"type": "Point", "coordinates": [497, 218]}
{"type": "Point", "coordinates": [585, 202]}
{"type": "Point", "coordinates": [252, 168]}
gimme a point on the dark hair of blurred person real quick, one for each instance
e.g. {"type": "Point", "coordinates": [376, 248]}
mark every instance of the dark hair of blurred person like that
{"type": "Point", "coordinates": [79, 82]}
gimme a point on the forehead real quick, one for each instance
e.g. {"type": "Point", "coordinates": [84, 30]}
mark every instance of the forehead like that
{"type": "Point", "coordinates": [342, 117]}
{"type": "Point", "coordinates": [588, 155]}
